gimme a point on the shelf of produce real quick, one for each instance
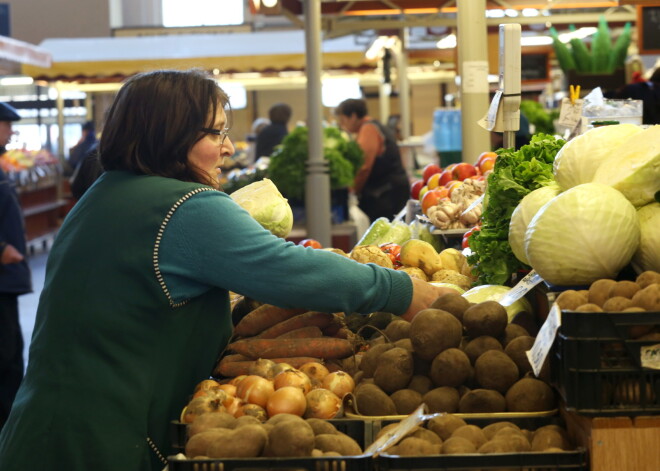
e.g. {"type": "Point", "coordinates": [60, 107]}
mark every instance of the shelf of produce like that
{"type": "Point", "coordinates": [43, 210]}
{"type": "Point", "coordinates": [621, 443]}
{"type": "Point", "coordinates": [344, 235]}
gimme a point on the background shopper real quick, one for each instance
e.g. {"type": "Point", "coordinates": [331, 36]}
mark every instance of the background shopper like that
{"type": "Point", "coordinates": [381, 184]}
{"type": "Point", "coordinates": [135, 307]}
{"type": "Point", "coordinates": [15, 276]}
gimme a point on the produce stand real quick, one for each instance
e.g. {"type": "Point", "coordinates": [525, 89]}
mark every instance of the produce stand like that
{"type": "Point", "coordinates": [344, 235]}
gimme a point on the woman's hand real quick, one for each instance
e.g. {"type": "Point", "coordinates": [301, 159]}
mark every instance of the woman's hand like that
{"type": "Point", "coordinates": [423, 296]}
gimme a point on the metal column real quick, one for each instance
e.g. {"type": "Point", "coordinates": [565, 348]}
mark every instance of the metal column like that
{"type": "Point", "coordinates": [317, 182]}
{"type": "Point", "coordinates": [473, 69]}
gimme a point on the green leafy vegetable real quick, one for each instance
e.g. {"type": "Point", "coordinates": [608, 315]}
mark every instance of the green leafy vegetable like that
{"type": "Point", "coordinates": [538, 116]}
{"type": "Point", "coordinates": [288, 161]}
{"type": "Point", "coordinates": [516, 173]}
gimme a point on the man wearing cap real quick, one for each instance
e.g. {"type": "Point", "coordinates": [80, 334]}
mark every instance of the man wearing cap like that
{"type": "Point", "coordinates": [15, 276]}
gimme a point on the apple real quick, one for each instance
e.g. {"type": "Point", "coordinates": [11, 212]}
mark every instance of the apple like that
{"type": "Point", "coordinates": [485, 155]}
{"type": "Point", "coordinates": [430, 169]}
{"type": "Point", "coordinates": [463, 170]}
{"type": "Point", "coordinates": [415, 187]}
{"type": "Point", "coordinates": [485, 164]}
{"type": "Point", "coordinates": [452, 185]}
{"type": "Point", "coordinates": [446, 175]}
{"type": "Point", "coordinates": [434, 181]}
{"type": "Point", "coordinates": [422, 192]}
{"type": "Point", "coordinates": [432, 198]}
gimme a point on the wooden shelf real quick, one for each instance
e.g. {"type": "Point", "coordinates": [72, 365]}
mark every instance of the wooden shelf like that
{"type": "Point", "coordinates": [42, 208]}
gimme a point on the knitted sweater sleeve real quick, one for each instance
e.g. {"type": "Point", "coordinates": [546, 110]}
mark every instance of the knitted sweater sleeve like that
{"type": "Point", "coordinates": [210, 241]}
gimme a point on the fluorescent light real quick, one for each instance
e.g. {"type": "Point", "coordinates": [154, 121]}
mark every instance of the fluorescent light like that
{"type": "Point", "coordinates": [495, 13]}
{"type": "Point", "coordinates": [530, 12]}
{"type": "Point", "coordinates": [336, 90]}
{"type": "Point", "coordinates": [379, 44]}
{"type": "Point", "coordinates": [578, 34]}
{"type": "Point", "coordinates": [24, 80]}
{"type": "Point", "coordinates": [447, 42]}
{"type": "Point", "coordinates": [510, 12]}
{"type": "Point", "coordinates": [269, 3]}
{"type": "Point", "coordinates": [535, 40]}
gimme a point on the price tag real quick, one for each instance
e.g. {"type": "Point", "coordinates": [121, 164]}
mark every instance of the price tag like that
{"type": "Point", "coordinates": [393, 436]}
{"type": "Point", "coordinates": [521, 289]}
{"type": "Point", "coordinates": [544, 340]}
{"type": "Point", "coordinates": [570, 114]}
{"type": "Point", "coordinates": [488, 122]}
{"type": "Point", "coordinates": [650, 356]}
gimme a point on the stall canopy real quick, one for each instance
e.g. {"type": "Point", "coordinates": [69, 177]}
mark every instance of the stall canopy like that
{"type": "Point", "coordinates": [92, 59]}
{"type": "Point", "coordinates": [14, 52]}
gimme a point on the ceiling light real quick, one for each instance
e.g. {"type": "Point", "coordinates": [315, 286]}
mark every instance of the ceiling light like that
{"type": "Point", "coordinates": [510, 12]}
{"type": "Point", "coordinates": [530, 12]}
{"type": "Point", "coordinates": [535, 40]}
{"type": "Point", "coordinates": [269, 3]}
{"type": "Point", "coordinates": [578, 34]}
{"type": "Point", "coordinates": [18, 80]}
{"type": "Point", "coordinates": [495, 13]}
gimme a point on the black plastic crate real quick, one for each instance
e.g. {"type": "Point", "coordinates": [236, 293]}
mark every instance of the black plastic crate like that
{"type": "Point", "coordinates": [571, 459]}
{"type": "Point", "coordinates": [596, 364]}
{"type": "Point", "coordinates": [329, 463]}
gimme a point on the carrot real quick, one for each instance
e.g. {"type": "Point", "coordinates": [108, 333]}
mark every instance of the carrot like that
{"type": "Point", "coordinates": [319, 319]}
{"type": "Point", "coordinates": [262, 318]}
{"type": "Point", "coordinates": [324, 347]}
{"type": "Point", "coordinates": [309, 332]}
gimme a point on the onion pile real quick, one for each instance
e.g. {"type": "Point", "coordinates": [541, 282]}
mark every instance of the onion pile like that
{"type": "Point", "coordinates": [310, 391]}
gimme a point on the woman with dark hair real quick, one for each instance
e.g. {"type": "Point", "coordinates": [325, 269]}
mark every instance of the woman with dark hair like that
{"type": "Point", "coordinates": [135, 307]}
{"type": "Point", "coordinates": [382, 184]}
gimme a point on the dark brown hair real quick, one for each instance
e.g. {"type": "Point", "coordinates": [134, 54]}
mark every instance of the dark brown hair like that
{"type": "Point", "coordinates": [155, 120]}
{"type": "Point", "coordinates": [352, 106]}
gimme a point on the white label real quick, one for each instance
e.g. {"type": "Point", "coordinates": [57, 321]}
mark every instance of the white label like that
{"type": "Point", "coordinates": [570, 114]}
{"type": "Point", "coordinates": [489, 121]}
{"type": "Point", "coordinates": [521, 289]}
{"type": "Point", "coordinates": [544, 340]}
{"type": "Point", "coordinates": [474, 77]}
{"type": "Point", "coordinates": [650, 356]}
{"type": "Point", "coordinates": [393, 436]}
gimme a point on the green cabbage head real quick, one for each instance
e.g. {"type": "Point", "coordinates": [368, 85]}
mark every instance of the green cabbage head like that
{"type": "Point", "coordinates": [266, 205]}
{"type": "Point", "coordinates": [586, 233]}
{"type": "Point", "coordinates": [647, 256]}
{"type": "Point", "coordinates": [524, 213]}
{"type": "Point", "coordinates": [634, 167]}
{"type": "Point", "coordinates": [577, 161]}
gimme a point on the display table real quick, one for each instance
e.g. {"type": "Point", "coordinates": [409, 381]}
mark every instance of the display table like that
{"type": "Point", "coordinates": [344, 235]}
{"type": "Point", "coordinates": [617, 443]}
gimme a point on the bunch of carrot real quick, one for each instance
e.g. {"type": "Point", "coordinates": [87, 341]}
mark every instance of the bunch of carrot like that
{"type": "Point", "coordinates": [292, 336]}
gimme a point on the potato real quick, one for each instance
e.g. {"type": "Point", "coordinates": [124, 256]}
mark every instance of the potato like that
{"type": "Point", "coordinates": [453, 303]}
{"type": "Point", "coordinates": [413, 446]}
{"type": "Point", "coordinates": [415, 272]}
{"type": "Point", "coordinates": [321, 426]}
{"type": "Point", "coordinates": [210, 421]}
{"type": "Point", "coordinates": [450, 368]}
{"type": "Point", "coordinates": [486, 318]}
{"type": "Point", "coordinates": [495, 370]}
{"type": "Point", "coordinates": [337, 442]}
{"type": "Point", "coordinates": [291, 438]}
{"type": "Point", "coordinates": [244, 442]}
{"type": "Point", "coordinates": [198, 444]}
{"type": "Point", "coordinates": [443, 426]}
{"type": "Point", "coordinates": [371, 400]}
{"type": "Point", "coordinates": [370, 358]}
{"type": "Point", "coordinates": [482, 401]}
{"type": "Point", "coordinates": [492, 429]}
{"type": "Point", "coordinates": [397, 329]}
{"type": "Point", "coordinates": [472, 433]}
{"type": "Point", "coordinates": [458, 446]}
{"type": "Point", "coordinates": [406, 401]}
{"type": "Point", "coordinates": [442, 399]}
{"type": "Point", "coordinates": [433, 331]}
{"type": "Point", "coordinates": [394, 369]}
{"type": "Point", "coordinates": [481, 344]}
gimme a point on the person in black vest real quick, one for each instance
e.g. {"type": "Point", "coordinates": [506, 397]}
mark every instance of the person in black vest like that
{"type": "Point", "coordinates": [273, 134]}
{"type": "Point", "coordinates": [381, 185]}
{"type": "Point", "coordinates": [15, 276]}
{"type": "Point", "coordinates": [649, 93]}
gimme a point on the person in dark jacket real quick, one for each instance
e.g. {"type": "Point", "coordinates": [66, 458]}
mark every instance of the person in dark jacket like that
{"type": "Point", "coordinates": [649, 93]}
{"type": "Point", "coordinates": [15, 278]}
{"type": "Point", "coordinates": [87, 142]}
{"type": "Point", "coordinates": [381, 184]}
{"type": "Point", "coordinates": [86, 173]}
{"type": "Point", "coordinates": [275, 132]}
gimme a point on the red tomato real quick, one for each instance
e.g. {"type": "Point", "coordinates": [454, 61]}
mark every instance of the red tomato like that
{"type": "Point", "coordinates": [466, 243]}
{"type": "Point", "coordinates": [311, 243]}
{"type": "Point", "coordinates": [393, 251]}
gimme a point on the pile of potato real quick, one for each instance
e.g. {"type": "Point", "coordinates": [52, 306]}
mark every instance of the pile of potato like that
{"type": "Point", "coordinates": [221, 435]}
{"type": "Point", "coordinates": [455, 357]}
{"type": "Point", "coordinates": [607, 295]}
{"type": "Point", "coordinates": [451, 435]}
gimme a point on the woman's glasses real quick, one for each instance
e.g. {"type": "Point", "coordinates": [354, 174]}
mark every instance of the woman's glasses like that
{"type": "Point", "coordinates": [217, 132]}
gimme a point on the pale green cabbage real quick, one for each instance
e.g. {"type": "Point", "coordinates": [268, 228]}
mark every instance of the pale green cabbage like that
{"type": "Point", "coordinates": [577, 161]}
{"type": "Point", "coordinates": [586, 233]}
{"type": "Point", "coordinates": [647, 256]}
{"type": "Point", "coordinates": [524, 213]}
{"type": "Point", "coordinates": [634, 167]}
{"type": "Point", "coordinates": [482, 293]}
{"type": "Point", "coordinates": [266, 205]}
